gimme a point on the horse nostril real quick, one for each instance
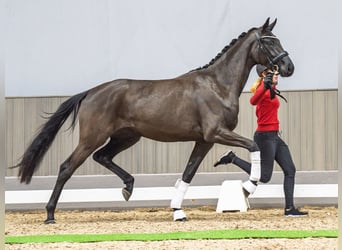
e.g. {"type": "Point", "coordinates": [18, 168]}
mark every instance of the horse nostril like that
{"type": "Point", "coordinates": [290, 69]}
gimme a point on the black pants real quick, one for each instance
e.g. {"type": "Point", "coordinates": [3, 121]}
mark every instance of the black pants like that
{"type": "Point", "coordinates": [272, 147]}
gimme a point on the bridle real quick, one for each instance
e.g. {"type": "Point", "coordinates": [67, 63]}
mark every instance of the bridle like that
{"type": "Point", "coordinates": [272, 61]}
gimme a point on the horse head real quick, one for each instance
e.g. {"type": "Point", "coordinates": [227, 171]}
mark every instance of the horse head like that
{"type": "Point", "coordinates": [268, 50]}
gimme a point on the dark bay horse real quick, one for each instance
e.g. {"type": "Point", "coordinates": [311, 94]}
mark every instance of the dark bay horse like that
{"type": "Point", "coordinates": [201, 105]}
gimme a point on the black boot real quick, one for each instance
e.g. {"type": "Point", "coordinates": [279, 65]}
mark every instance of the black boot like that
{"type": "Point", "coordinates": [294, 212]}
{"type": "Point", "coordinates": [228, 157]}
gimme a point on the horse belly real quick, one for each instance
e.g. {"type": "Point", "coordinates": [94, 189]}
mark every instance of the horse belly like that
{"type": "Point", "coordinates": [166, 120]}
{"type": "Point", "coordinates": [169, 132]}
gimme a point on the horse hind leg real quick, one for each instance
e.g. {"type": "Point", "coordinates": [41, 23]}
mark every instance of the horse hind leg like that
{"type": "Point", "coordinates": [198, 153]}
{"type": "Point", "coordinates": [105, 156]}
{"type": "Point", "coordinates": [66, 170]}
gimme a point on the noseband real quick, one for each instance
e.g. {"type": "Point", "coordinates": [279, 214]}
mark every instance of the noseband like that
{"type": "Point", "coordinates": [271, 61]}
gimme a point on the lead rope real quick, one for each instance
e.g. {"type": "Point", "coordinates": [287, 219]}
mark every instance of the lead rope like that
{"type": "Point", "coordinates": [274, 92]}
{"type": "Point", "coordinates": [277, 92]}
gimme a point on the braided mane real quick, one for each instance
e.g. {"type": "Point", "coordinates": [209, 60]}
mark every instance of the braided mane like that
{"type": "Point", "coordinates": [224, 50]}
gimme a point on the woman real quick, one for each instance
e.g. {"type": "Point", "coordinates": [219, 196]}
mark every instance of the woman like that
{"type": "Point", "coordinates": [272, 147]}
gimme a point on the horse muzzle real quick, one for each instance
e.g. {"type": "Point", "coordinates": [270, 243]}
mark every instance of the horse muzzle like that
{"type": "Point", "coordinates": [286, 66]}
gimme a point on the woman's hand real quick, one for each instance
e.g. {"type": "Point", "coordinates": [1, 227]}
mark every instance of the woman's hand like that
{"type": "Point", "coordinates": [268, 80]}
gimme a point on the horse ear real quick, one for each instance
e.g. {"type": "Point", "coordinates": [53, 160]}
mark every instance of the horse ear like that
{"type": "Point", "coordinates": [272, 25]}
{"type": "Point", "coordinates": [265, 26]}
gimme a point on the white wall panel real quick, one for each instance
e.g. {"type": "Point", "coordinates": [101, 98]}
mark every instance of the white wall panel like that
{"type": "Point", "coordinates": [62, 47]}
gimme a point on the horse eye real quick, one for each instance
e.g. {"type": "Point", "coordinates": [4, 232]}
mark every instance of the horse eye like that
{"type": "Point", "coordinates": [270, 42]}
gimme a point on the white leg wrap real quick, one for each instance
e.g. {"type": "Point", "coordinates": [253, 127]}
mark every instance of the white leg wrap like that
{"type": "Point", "coordinates": [181, 188]}
{"type": "Point", "coordinates": [249, 186]}
{"type": "Point", "coordinates": [255, 169]}
{"type": "Point", "coordinates": [179, 215]}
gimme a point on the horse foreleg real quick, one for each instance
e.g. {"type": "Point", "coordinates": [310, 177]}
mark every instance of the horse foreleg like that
{"type": "Point", "coordinates": [176, 203]}
{"type": "Point", "coordinates": [198, 153]}
{"type": "Point", "coordinates": [105, 155]}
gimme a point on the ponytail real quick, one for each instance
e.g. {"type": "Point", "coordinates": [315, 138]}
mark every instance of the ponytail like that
{"type": "Point", "coordinates": [255, 85]}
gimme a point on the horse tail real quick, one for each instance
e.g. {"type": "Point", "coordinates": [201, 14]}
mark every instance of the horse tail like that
{"type": "Point", "coordinates": [43, 140]}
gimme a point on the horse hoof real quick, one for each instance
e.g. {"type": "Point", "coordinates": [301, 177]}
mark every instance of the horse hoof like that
{"type": "Point", "coordinates": [49, 222]}
{"type": "Point", "coordinates": [179, 215]}
{"type": "Point", "coordinates": [181, 220]}
{"type": "Point", "coordinates": [126, 194]}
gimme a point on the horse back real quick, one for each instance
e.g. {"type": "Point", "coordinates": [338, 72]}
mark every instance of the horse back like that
{"type": "Point", "coordinates": [164, 110]}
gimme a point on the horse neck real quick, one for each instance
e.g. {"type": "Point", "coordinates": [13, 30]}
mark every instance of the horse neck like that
{"type": "Point", "coordinates": [233, 69]}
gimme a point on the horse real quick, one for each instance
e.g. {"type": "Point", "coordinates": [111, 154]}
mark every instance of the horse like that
{"type": "Point", "coordinates": [201, 105]}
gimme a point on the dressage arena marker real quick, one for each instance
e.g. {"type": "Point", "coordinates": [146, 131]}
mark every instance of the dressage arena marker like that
{"type": "Point", "coordinates": [231, 197]}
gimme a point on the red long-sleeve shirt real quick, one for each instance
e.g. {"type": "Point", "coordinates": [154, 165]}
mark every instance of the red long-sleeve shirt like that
{"type": "Point", "coordinates": [266, 109]}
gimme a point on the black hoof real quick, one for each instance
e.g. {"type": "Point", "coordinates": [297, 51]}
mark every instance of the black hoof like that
{"type": "Point", "coordinates": [49, 222]}
{"type": "Point", "coordinates": [126, 194]}
{"type": "Point", "coordinates": [182, 219]}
